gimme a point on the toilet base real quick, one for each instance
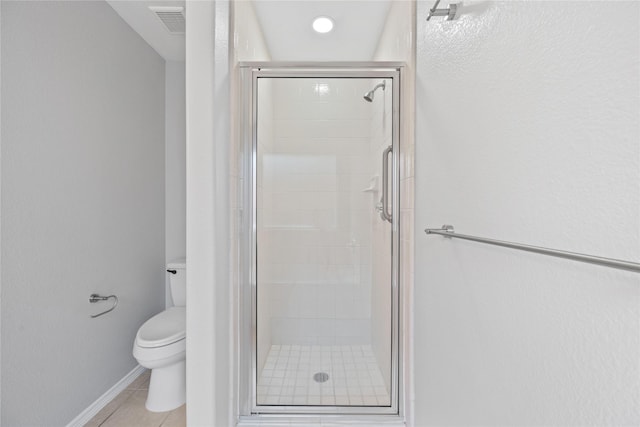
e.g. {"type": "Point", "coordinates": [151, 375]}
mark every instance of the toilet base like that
{"type": "Point", "coordinates": [167, 388]}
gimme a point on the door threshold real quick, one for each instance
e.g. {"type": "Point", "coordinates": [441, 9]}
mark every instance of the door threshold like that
{"type": "Point", "coordinates": [321, 420]}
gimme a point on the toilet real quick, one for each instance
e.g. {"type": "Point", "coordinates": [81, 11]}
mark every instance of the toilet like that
{"type": "Point", "coordinates": [160, 345]}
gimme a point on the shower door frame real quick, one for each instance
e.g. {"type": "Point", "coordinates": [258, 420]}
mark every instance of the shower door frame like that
{"type": "Point", "coordinates": [248, 375]}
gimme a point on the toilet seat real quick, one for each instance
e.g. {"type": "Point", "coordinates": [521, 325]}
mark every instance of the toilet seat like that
{"type": "Point", "coordinates": [161, 340]}
{"type": "Point", "coordinates": [154, 357]}
{"type": "Point", "coordinates": [163, 329]}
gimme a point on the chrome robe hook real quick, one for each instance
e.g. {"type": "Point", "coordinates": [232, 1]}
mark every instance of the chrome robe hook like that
{"type": "Point", "coordinates": [450, 12]}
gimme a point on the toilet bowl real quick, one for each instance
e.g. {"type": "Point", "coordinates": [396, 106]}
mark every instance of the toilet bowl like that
{"type": "Point", "coordinates": [160, 345]}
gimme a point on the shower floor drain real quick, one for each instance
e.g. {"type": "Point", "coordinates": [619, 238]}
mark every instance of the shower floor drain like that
{"type": "Point", "coordinates": [320, 377]}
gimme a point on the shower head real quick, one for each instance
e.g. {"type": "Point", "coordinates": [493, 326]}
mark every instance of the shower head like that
{"type": "Point", "coordinates": [369, 95]}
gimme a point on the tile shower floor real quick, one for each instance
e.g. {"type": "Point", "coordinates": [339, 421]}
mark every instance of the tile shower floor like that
{"type": "Point", "coordinates": [354, 376]}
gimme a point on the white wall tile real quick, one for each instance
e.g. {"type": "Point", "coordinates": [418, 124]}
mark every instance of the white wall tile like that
{"type": "Point", "coordinates": [315, 213]}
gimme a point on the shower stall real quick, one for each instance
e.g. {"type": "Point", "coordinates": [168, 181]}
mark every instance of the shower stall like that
{"type": "Point", "coordinates": [320, 301]}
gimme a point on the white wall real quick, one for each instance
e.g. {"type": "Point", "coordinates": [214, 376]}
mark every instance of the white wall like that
{"type": "Point", "coordinates": [175, 165]}
{"type": "Point", "coordinates": [248, 40]}
{"type": "Point", "coordinates": [527, 130]}
{"type": "Point", "coordinates": [211, 385]}
{"type": "Point", "coordinates": [82, 203]}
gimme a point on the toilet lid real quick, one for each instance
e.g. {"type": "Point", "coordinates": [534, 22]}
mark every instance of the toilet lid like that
{"type": "Point", "coordinates": [163, 329]}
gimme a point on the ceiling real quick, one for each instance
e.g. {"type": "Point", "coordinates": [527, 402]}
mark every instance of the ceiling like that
{"type": "Point", "coordinates": [286, 25]}
{"type": "Point", "coordinates": [136, 13]}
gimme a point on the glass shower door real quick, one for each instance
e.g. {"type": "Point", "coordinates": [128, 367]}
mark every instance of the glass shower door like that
{"type": "Point", "coordinates": [323, 255]}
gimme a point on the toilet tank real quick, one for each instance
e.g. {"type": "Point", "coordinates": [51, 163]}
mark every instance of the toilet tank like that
{"type": "Point", "coordinates": [178, 281]}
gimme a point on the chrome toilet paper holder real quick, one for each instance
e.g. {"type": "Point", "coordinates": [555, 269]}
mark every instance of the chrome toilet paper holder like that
{"type": "Point", "coordinates": [93, 298]}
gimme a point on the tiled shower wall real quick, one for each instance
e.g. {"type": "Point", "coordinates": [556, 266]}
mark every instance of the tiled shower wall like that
{"type": "Point", "coordinates": [314, 234]}
{"type": "Point", "coordinates": [265, 145]}
{"type": "Point", "coordinates": [381, 123]}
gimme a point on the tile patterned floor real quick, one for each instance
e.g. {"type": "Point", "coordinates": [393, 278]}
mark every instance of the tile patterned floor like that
{"type": "Point", "coordinates": [127, 409]}
{"type": "Point", "coordinates": [354, 376]}
{"type": "Point", "coordinates": [287, 379]}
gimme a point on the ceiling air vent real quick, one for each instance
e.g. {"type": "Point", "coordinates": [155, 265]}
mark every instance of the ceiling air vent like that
{"type": "Point", "coordinates": [172, 18]}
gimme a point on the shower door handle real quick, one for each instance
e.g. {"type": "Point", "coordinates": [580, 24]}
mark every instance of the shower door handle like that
{"type": "Point", "coordinates": [384, 213]}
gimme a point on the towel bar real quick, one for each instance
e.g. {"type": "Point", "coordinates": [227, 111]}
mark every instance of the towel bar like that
{"type": "Point", "coordinates": [449, 232]}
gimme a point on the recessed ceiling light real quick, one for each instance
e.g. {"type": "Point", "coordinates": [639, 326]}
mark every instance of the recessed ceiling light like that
{"type": "Point", "coordinates": [323, 24]}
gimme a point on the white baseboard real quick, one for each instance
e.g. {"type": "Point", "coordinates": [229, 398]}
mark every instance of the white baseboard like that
{"type": "Point", "coordinates": [86, 415]}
